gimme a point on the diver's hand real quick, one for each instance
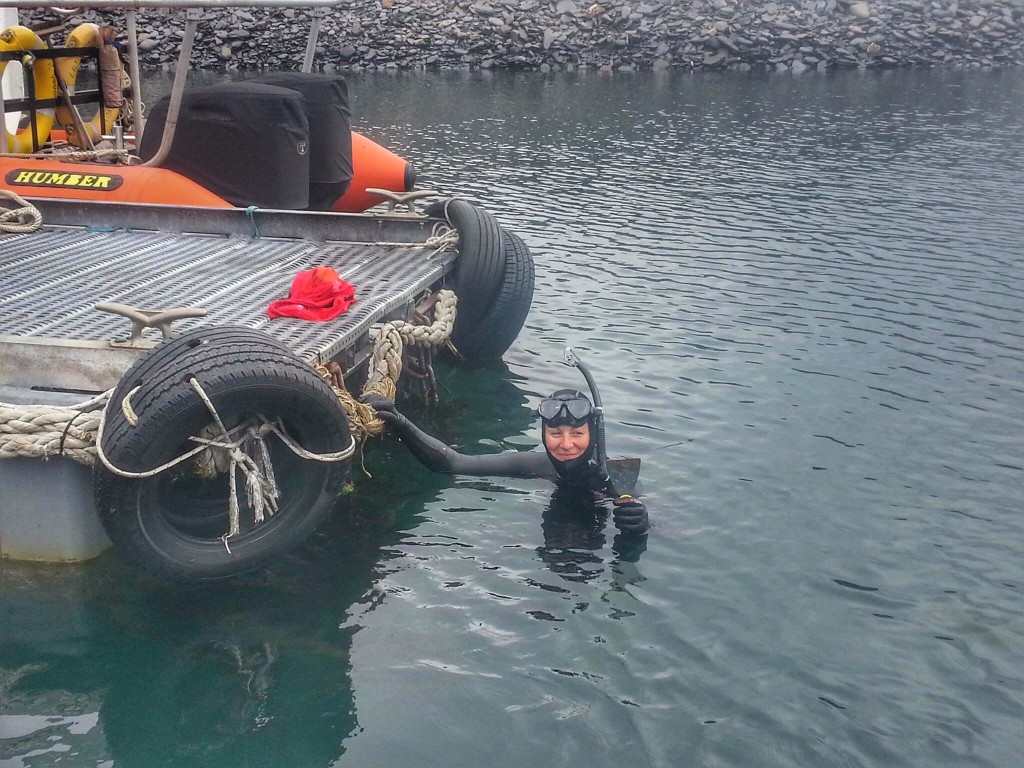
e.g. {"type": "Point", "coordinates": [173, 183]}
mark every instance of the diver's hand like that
{"type": "Point", "coordinates": [630, 515]}
{"type": "Point", "coordinates": [384, 407]}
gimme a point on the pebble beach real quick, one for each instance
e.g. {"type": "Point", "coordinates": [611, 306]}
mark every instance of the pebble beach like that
{"type": "Point", "coordinates": [611, 36]}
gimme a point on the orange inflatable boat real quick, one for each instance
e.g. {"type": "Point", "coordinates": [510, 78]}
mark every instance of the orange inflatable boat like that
{"type": "Point", "coordinates": [373, 167]}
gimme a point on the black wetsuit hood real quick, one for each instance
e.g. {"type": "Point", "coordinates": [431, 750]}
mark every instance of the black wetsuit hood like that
{"type": "Point", "coordinates": [582, 470]}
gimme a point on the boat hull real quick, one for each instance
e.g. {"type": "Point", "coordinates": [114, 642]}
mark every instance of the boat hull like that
{"type": "Point", "coordinates": [374, 167]}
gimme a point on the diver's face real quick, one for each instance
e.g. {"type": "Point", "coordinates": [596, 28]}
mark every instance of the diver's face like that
{"type": "Point", "coordinates": [566, 443]}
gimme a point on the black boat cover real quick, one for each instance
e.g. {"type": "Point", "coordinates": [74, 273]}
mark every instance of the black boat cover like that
{"type": "Point", "coordinates": [247, 142]}
{"type": "Point", "coordinates": [330, 132]}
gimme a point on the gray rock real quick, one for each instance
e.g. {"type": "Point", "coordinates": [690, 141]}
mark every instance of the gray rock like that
{"type": "Point", "coordinates": [643, 34]}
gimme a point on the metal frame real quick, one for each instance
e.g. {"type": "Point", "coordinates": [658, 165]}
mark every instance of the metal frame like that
{"type": "Point", "coordinates": [236, 222]}
{"type": "Point", "coordinates": [160, 257]}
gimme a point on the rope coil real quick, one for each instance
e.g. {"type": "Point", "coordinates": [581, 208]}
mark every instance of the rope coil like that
{"type": "Point", "coordinates": [24, 218]}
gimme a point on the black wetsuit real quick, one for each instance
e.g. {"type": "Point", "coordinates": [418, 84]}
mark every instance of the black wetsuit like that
{"type": "Point", "coordinates": [587, 480]}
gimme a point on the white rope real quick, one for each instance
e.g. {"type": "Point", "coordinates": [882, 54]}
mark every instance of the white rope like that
{"type": "Point", "coordinates": [438, 332]}
{"type": "Point", "coordinates": [24, 218]}
{"type": "Point", "coordinates": [302, 453]}
{"type": "Point", "coordinates": [261, 486]}
{"type": "Point", "coordinates": [126, 408]}
{"type": "Point", "coordinates": [441, 238]}
{"type": "Point", "coordinates": [71, 157]}
{"type": "Point", "coordinates": [138, 475]}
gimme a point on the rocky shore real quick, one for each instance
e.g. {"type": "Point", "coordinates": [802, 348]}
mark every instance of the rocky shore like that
{"type": "Point", "coordinates": [612, 35]}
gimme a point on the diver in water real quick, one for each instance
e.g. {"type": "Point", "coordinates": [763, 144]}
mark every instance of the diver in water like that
{"type": "Point", "coordinates": [573, 457]}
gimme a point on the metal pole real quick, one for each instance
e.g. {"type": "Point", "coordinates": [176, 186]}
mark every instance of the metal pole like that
{"type": "Point", "coordinates": [177, 90]}
{"type": "Point", "coordinates": [314, 33]}
{"type": "Point", "coordinates": [133, 70]}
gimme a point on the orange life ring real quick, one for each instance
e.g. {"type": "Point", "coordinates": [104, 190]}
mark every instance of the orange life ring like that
{"type": "Point", "coordinates": [84, 36]}
{"type": "Point", "coordinates": [20, 38]}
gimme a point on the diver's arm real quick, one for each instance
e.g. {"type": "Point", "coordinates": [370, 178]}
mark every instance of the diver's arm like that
{"type": "Point", "coordinates": [438, 457]}
{"type": "Point", "coordinates": [428, 450]}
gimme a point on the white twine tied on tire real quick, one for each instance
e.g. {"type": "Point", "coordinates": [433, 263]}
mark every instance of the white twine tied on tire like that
{"type": "Point", "coordinates": [260, 484]}
{"type": "Point", "coordinates": [24, 218]}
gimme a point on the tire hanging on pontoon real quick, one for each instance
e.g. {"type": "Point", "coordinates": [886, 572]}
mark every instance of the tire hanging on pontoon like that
{"type": "Point", "coordinates": [494, 279]}
{"type": "Point", "coordinates": [173, 525]}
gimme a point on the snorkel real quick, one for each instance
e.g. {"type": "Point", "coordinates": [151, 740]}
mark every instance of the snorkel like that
{"type": "Point", "coordinates": [571, 358]}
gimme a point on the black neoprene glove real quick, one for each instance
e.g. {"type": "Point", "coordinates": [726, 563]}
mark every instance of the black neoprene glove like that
{"type": "Point", "coordinates": [384, 407]}
{"type": "Point", "coordinates": [630, 515]}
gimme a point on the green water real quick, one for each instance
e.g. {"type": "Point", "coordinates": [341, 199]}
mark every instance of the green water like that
{"type": "Point", "coordinates": [802, 298]}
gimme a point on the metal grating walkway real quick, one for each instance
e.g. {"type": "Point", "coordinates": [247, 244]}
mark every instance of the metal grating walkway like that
{"type": "Point", "coordinates": [51, 279]}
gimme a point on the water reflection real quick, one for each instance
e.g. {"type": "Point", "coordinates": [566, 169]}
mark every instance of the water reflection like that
{"type": "Point", "coordinates": [253, 672]}
{"type": "Point", "coordinates": [574, 529]}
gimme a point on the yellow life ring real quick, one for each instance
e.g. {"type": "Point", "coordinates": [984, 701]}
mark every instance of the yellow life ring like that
{"type": "Point", "coordinates": [24, 39]}
{"type": "Point", "coordinates": [83, 36]}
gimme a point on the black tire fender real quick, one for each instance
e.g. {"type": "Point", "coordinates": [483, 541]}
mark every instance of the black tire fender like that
{"type": "Point", "coordinates": [481, 262]}
{"type": "Point", "coordinates": [168, 525]}
{"type": "Point", "coordinates": [504, 319]}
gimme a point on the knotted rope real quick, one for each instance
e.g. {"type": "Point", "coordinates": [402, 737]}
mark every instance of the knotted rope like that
{"type": "Point", "coordinates": [24, 218]}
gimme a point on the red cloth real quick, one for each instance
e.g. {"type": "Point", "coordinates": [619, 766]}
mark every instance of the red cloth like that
{"type": "Point", "coordinates": [316, 294]}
